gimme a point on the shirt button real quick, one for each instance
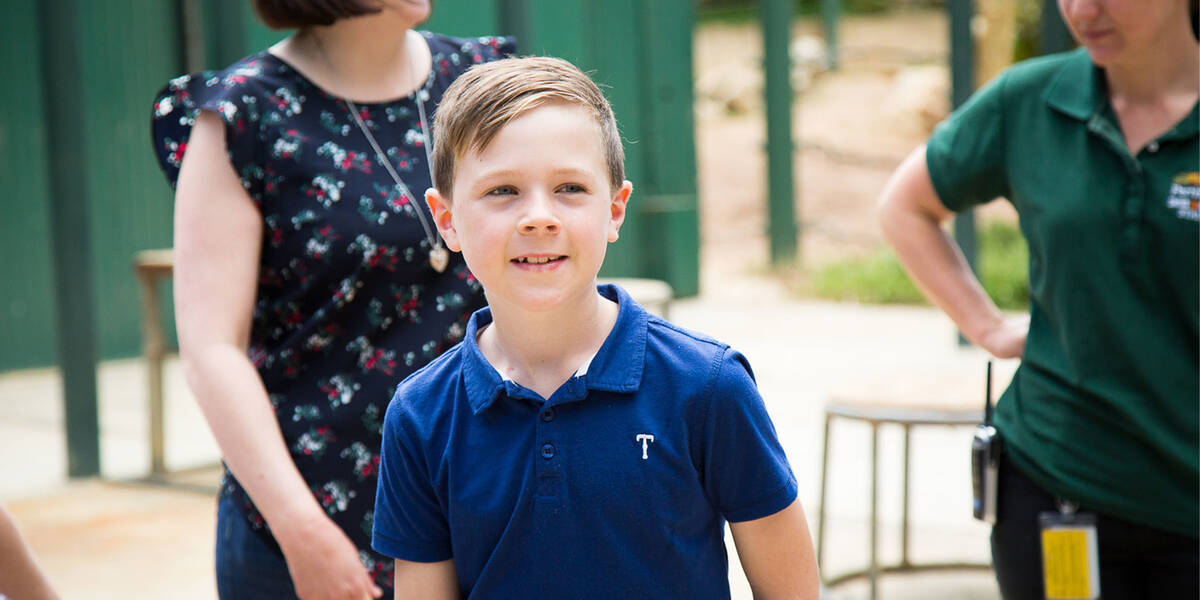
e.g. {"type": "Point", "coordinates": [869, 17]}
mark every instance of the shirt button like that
{"type": "Point", "coordinates": [1152, 147]}
{"type": "Point", "coordinates": [548, 415]}
{"type": "Point", "coordinates": [547, 451]}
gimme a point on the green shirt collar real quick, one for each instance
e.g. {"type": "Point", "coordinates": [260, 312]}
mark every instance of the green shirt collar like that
{"type": "Point", "coordinates": [1079, 91]}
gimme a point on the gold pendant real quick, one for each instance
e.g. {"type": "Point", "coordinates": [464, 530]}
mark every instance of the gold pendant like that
{"type": "Point", "coordinates": [439, 257]}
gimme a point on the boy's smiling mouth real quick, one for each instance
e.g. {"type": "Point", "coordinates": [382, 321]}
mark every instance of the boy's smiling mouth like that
{"type": "Point", "coordinates": [538, 260]}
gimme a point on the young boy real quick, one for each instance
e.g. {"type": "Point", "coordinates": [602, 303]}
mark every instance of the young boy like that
{"type": "Point", "coordinates": [572, 445]}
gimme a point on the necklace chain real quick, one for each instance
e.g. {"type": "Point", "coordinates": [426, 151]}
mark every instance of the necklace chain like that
{"type": "Point", "coordinates": [438, 255]}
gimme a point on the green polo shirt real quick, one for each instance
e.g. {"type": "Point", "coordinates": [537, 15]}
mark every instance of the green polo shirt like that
{"type": "Point", "coordinates": [1103, 409]}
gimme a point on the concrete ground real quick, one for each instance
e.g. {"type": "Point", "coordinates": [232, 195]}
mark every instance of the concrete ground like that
{"type": "Point", "coordinates": [116, 538]}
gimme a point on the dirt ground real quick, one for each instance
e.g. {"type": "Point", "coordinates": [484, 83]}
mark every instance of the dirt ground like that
{"type": "Point", "coordinates": [851, 128]}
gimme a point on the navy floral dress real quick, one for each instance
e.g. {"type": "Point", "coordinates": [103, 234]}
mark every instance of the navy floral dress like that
{"type": "Point", "coordinates": [347, 303]}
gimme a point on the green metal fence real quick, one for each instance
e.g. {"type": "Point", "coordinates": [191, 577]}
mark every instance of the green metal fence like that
{"type": "Point", "coordinates": [127, 49]}
{"type": "Point", "coordinates": [26, 314]}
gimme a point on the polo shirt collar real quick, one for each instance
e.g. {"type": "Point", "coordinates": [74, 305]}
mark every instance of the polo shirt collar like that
{"type": "Point", "coordinates": [1078, 90]}
{"type": "Point", "coordinates": [616, 367]}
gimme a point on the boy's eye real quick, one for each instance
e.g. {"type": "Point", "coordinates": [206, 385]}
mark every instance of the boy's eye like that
{"type": "Point", "coordinates": [571, 188]}
{"type": "Point", "coordinates": [503, 190]}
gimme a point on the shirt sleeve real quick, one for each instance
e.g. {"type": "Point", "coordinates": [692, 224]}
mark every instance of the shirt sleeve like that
{"type": "Point", "coordinates": [746, 473]}
{"type": "Point", "coordinates": [966, 153]}
{"type": "Point", "coordinates": [225, 93]}
{"type": "Point", "coordinates": [409, 521]}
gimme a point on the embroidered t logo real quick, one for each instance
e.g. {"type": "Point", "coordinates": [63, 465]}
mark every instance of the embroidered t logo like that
{"type": "Point", "coordinates": [645, 439]}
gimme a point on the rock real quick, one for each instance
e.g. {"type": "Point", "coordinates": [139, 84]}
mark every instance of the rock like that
{"type": "Point", "coordinates": [737, 88]}
{"type": "Point", "coordinates": [808, 52]}
{"type": "Point", "coordinates": [918, 99]}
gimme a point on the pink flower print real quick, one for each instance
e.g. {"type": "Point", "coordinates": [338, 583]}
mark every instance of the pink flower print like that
{"type": "Point", "coordinates": [366, 463]}
{"type": "Point", "coordinates": [164, 106]}
{"type": "Point", "coordinates": [339, 389]}
{"type": "Point", "coordinates": [414, 137]}
{"type": "Point", "coordinates": [346, 291]}
{"type": "Point", "coordinates": [325, 189]}
{"type": "Point", "coordinates": [343, 159]}
{"type": "Point", "coordinates": [319, 244]}
{"type": "Point", "coordinates": [175, 152]}
{"type": "Point", "coordinates": [380, 570]}
{"type": "Point", "coordinates": [275, 233]}
{"type": "Point", "coordinates": [314, 442]}
{"type": "Point", "coordinates": [335, 497]}
{"type": "Point", "coordinates": [371, 358]}
{"type": "Point", "coordinates": [286, 102]}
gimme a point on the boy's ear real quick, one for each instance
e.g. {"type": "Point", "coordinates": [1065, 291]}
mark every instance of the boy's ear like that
{"type": "Point", "coordinates": [443, 218]}
{"type": "Point", "coordinates": [617, 210]}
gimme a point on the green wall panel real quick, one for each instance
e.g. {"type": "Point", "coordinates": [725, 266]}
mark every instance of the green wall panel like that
{"type": "Point", "coordinates": [610, 54]}
{"type": "Point", "coordinates": [258, 36]}
{"type": "Point", "coordinates": [26, 306]}
{"type": "Point", "coordinates": [464, 18]}
{"type": "Point", "coordinates": [670, 209]}
{"type": "Point", "coordinates": [129, 50]}
{"type": "Point", "coordinates": [559, 28]}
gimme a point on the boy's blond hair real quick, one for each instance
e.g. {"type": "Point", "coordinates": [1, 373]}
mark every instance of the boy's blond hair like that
{"type": "Point", "coordinates": [487, 96]}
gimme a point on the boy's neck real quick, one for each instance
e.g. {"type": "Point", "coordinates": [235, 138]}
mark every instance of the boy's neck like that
{"type": "Point", "coordinates": [542, 350]}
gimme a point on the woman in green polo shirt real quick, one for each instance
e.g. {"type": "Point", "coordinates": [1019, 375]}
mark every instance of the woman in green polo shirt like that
{"type": "Point", "coordinates": [1098, 151]}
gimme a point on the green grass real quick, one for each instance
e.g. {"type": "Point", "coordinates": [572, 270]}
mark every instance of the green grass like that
{"type": "Point", "coordinates": [880, 279]}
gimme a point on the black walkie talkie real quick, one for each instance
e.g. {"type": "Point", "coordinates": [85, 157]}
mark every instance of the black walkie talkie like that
{"type": "Point", "coordinates": [985, 459]}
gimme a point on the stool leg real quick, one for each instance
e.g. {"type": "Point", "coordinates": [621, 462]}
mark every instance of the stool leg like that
{"type": "Point", "coordinates": [821, 507]}
{"type": "Point", "coordinates": [873, 575]}
{"type": "Point", "coordinates": [153, 351]}
{"type": "Point", "coordinates": [904, 518]}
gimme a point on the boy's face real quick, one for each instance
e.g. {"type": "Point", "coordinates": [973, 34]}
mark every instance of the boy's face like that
{"type": "Point", "coordinates": [533, 213]}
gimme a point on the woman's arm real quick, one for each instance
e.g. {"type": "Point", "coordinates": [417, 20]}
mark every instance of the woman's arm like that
{"type": "Point", "coordinates": [776, 553]}
{"type": "Point", "coordinates": [218, 233]}
{"type": "Point", "coordinates": [911, 214]}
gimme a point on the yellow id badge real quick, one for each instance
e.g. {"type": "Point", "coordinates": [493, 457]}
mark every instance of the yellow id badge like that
{"type": "Point", "coordinates": [1070, 556]}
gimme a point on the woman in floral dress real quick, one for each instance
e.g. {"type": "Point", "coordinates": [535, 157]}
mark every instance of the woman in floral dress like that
{"type": "Point", "coordinates": [307, 280]}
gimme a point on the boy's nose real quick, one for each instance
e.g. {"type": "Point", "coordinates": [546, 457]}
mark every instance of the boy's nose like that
{"type": "Point", "coordinates": [539, 216]}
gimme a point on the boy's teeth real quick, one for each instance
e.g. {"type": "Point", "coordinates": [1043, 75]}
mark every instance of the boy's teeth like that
{"type": "Point", "coordinates": [535, 259]}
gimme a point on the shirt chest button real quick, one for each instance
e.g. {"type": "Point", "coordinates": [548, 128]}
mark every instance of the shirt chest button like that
{"type": "Point", "coordinates": [547, 451]}
{"type": "Point", "coordinates": [548, 415]}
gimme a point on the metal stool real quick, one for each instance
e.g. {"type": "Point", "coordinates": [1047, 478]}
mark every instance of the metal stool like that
{"type": "Point", "coordinates": [907, 417]}
{"type": "Point", "coordinates": [150, 266]}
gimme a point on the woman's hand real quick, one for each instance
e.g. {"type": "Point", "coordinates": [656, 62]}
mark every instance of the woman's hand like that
{"type": "Point", "coordinates": [910, 214]}
{"type": "Point", "coordinates": [218, 234]}
{"type": "Point", "coordinates": [1007, 338]}
{"type": "Point", "coordinates": [323, 562]}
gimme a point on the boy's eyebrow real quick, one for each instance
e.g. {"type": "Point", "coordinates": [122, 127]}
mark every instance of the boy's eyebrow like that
{"type": "Point", "coordinates": [488, 176]}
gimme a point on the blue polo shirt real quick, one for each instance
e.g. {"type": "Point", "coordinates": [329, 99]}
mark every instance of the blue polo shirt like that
{"type": "Point", "coordinates": [618, 485]}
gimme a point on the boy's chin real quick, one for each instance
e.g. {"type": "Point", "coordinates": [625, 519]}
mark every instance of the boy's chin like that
{"type": "Point", "coordinates": [544, 300]}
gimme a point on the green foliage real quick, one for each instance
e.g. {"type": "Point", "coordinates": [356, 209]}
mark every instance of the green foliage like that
{"type": "Point", "coordinates": [1029, 23]}
{"type": "Point", "coordinates": [1004, 265]}
{"type": "Point", "coordinates": [880, 279]}
{"type": "Point", "coordinates": [874, 279]}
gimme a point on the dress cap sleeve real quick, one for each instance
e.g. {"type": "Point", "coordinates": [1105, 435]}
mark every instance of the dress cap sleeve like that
{"type": "Point", "coordinates": [229, 94]}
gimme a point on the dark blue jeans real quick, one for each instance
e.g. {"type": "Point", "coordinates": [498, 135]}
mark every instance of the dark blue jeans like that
{"type": "Point", "coordinates": [248, 566]}
{"type": "Point", "coordinates": [1136, 562]}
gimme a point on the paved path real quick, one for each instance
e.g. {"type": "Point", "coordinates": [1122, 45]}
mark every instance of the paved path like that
{"type": "Point", "coordinates": [104, 539]}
